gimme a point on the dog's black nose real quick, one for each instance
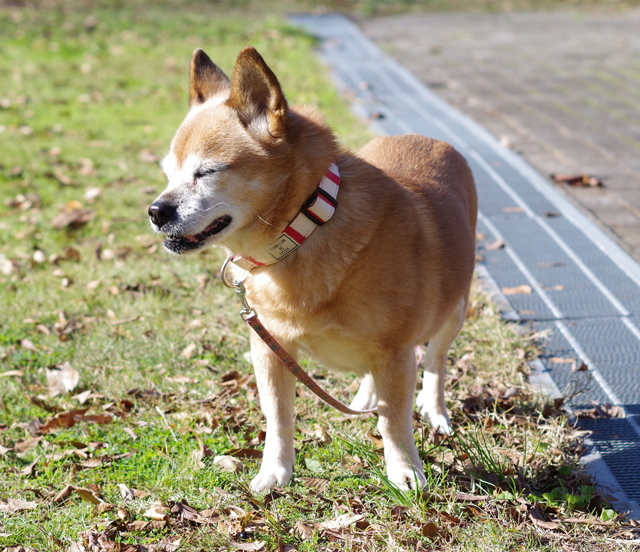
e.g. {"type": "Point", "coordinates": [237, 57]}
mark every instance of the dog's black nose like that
{"type": "Point", "coordinates": [162, 212]}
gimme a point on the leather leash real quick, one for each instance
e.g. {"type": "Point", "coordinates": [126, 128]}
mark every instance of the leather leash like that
{"type": "Point", "coordinates": [250, 316]}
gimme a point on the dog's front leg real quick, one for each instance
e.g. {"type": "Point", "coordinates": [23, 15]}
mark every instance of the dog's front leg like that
{"type": "Point", "coordinates": [395, 383]}
{"type": "Point", "coordinates": [276, 386]}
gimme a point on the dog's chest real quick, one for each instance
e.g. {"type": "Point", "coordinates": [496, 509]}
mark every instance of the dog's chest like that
{"type": "Point", "coordinates": [337, 352]}
{"type": "Point", "coordinates": [294, 315]}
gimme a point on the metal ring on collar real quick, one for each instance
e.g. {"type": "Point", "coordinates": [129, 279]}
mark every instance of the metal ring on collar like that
{"type": "Point", "coordinates": [223, 275]}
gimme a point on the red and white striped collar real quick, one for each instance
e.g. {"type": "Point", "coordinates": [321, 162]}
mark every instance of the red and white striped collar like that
{"type": "Point", "coordinates": [318, 209]}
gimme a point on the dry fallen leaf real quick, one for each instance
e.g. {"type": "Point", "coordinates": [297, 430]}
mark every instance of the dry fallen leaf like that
{"type": "Point", "coordinates": [577, 180]}
{"type": "Point", "coordinates": [609, 411]}
{"type": "Point", "coordinates": [464, 497]}
{"type": "Point", "coordinates": [322, 434]}
{"type": "Point", "coordinates": [6, 266]}
{"type": "Point", "coordinates": [314, 483]}
{"type": "Point", "coordinates": [92, 194]}
{"type": "Point", "coordinates": [188, 351]}
{"type": "Point", "coordinates": [87, 495]}
{"type": "Point", "coordinates": [376, 439]}
{"type": "Point", "coordinates": [13, 505]}
{"type": "Point", "coordinates": [73, 216]}
{"type": "Point", "coordinates": [129, 494]}
{"type": "Point", "coordinates": [229, 463]}
{"type": "Point", "coordinates": [305, 531]}
{"type": "Point", "coordinates": [12, 373]}
{"type": "Point", "coordinates": [18, 547]}
{"type": "Point", "coordinates": [39, 257]}
{"type": "Point", "coordinates": [62, 379]}
{"type": "Point", "coordinates": [340, 522]}
{"type": "Point", "coordinates": [523, 289]}
{"type": "Point", "coordinates": [144, 525]}
{"type": "Point", "coordinates": [157, 511]}
{"type": "Point", "coordinates": [432, 530]}
{"type": "Point", "coordinates": [91, 541]}
{"type": "Point", "coordinates": [27, 344]}
{"type": "Point", "coordinates": [28, 470]}
{"type": "Point", "coordinates": [63, 494]}
{"type": "Point", "coordinates": [83, 397]}
{"type": "Point", "coordinates": [27, 444]}
{"type": "Point", "coordinates": [498, 244]}
{"type": "Point", "coordinates": [63, 178]}
{"type": "Point", "coordinates": [72, 417]}
{"type": "Point", "coordinates": [181, 379]}
{"type": "Point", "coordinates": [582, 367]}
{"type": "Point", "coordinates": [538, 521]}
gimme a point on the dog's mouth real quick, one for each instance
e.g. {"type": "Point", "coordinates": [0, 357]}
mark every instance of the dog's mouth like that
{"type": "Point", "coordinates": [183, 244]}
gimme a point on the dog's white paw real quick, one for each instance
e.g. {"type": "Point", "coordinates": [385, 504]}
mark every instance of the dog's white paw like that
{"type": "Point", "coordinates": [441, 421]}
{"type": "Point", "coordinates": [433, 415]}
{"type": "Point", "coordinates": [406, 477]}
{"type": "Point", "coordinates": [270, 476]}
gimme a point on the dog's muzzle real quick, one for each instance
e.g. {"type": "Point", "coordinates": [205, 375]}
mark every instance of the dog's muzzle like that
{"type": "Point", "coordinates": [164, 215]}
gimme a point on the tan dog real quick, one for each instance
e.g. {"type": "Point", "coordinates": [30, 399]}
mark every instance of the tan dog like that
{"type": "Point", "coordinates": [390, 270]}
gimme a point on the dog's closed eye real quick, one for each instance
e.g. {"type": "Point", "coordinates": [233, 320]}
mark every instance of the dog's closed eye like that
{"type": "Point", "coordinates": [202, 172]}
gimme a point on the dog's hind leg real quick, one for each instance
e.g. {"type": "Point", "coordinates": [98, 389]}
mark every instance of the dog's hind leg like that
{"type": "Point", "coordinates": [276, 386]}
{"type": "Point", "coordinates": [395, 383]}
{"type": "Point", "coordinates": [431, 398]}
{"type": "Point", "coordinates": [366, 397]}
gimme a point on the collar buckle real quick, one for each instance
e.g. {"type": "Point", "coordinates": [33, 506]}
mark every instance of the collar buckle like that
{"type": "Point", "coordinates": [313, 214]}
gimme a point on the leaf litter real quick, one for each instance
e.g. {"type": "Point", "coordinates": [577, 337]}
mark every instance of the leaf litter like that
{"type": "Point", "coordinates": [495, 405]}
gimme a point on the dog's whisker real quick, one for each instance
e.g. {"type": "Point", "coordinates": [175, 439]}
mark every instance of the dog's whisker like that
{"type": "Point", "coordinates": [214, 206]}
{"type": "Point", "coordinates": [267, 223]}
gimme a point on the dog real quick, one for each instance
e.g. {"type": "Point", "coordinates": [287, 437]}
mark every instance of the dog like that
{"type": "Point", "coordinates": [389, 270]}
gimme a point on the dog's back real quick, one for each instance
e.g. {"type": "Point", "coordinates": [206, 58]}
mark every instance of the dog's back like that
{"type": "Point", "coordinates": [438, 218]}
{"type": "Point", "coordinates": [426, 167]}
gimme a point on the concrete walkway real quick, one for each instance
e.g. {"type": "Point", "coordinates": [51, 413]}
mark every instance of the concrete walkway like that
{"type": "Point", "coordinates": [582, 287]}
{"type": "Point", "coordinates": [561, 88]}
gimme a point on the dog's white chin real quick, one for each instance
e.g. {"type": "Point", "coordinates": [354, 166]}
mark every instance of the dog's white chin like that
{"type": "Point", "coordinates": [185, 248]}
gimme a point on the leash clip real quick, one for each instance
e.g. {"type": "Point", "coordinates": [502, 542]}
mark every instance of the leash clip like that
{"type": "Point", "coordinates": [241, 293]}
{"type": "Point", "coordinates": [247, 310]}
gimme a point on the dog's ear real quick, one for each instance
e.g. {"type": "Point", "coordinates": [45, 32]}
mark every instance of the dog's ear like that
{"type": "Point", "coordinates": [206, 79]}
{"type": "Point", "coordinates": [257, 97]}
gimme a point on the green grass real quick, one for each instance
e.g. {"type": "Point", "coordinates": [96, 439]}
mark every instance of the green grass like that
{"type": "Point", "coordinates": [91, 98]}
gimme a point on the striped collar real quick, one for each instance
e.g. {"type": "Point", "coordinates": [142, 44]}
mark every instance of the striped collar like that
{"type": "Point", "coordinates": [317, 210]}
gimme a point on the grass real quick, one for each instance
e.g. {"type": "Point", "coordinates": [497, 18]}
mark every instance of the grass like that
{"type": "Point", "coordinates": [153, 350]}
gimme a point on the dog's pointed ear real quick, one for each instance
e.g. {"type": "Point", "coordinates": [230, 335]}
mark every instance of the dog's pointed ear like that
{"type": "Point", "coordinates": [206, 79]}
{"type": "Point", "coordinates": [257, 97]}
